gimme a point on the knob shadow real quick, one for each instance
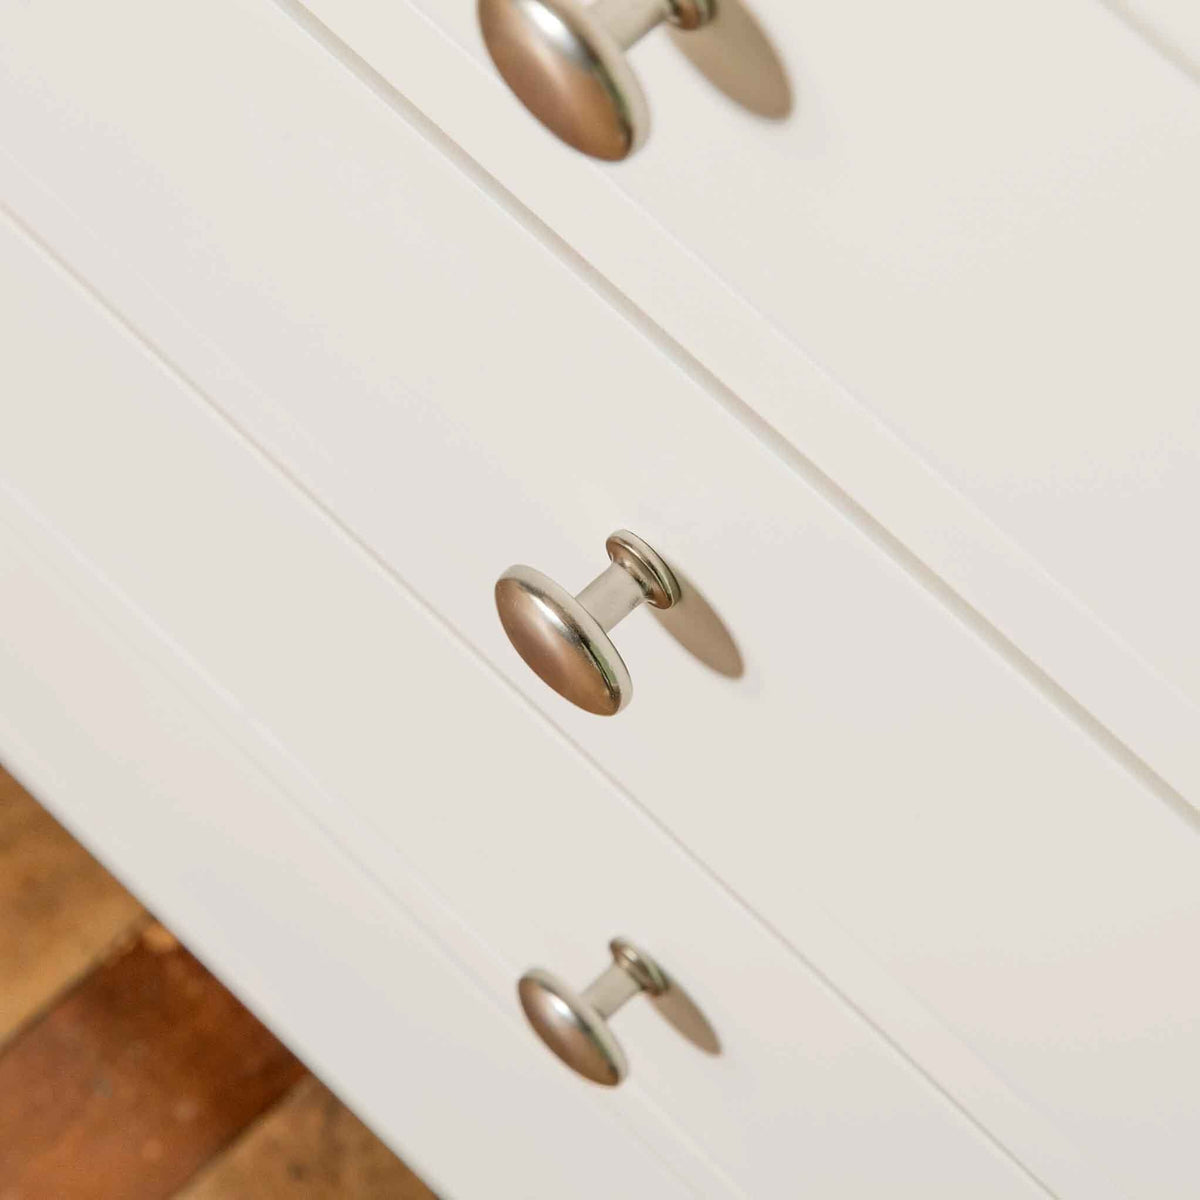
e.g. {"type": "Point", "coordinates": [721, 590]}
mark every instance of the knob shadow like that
{"type": "Point", "coordinates": [680, 1011]}
{"type": "Point", "coordinates": [695, 625]}
{"type": "Point", "coordinates": [735, 55]}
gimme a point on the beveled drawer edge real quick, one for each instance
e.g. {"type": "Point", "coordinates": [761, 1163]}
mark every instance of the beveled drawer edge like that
{"type": "Point", "coordinates": [1165, 28]}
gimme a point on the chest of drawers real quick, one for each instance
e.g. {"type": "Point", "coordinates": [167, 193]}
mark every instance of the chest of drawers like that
{"type": "Point", "coordinates": [311, 333]}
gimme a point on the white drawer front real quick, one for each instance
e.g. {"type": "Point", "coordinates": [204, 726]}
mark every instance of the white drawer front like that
{"type": "Point", "coordinates": [879, 778]}
{"type": "Point", "coordinates": [979, 222]}
{"type": "Point", "coordinates": [419, 762]}
{"type": "Point", "coordinates": [298, 929]}
{"type": "Point", "coordinates": [135, 754]}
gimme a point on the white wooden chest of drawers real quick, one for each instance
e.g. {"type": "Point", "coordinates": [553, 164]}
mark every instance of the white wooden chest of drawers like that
{"type": "Point", "coordinates": [309, 332]}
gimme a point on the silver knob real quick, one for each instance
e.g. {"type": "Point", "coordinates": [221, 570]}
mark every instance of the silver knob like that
{"type": "Point", "coordinates": [564, 638]}
{"type": "Point", "coordinates": [575, 1025]}
{"type": "Point", "coordinates": [566, 63]}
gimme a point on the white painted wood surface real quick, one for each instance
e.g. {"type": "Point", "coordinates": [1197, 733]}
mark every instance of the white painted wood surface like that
{"type": "Point", "coordinates": [134, 752]}
{"type": "Point", "coordinates": [1171, 26]}
{"type": "Point", "coordinates": [1082, 588]}
{"type": "Point", "coordinates": [982, 222]}
{"type": "Point", "coordinates": [138, 770]}
{"type": "Point", "coordinates": [886, 777]}
{"type": "Point", "coordinates": [361, 721]}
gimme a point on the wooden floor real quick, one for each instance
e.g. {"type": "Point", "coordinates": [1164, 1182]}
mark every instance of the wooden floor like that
{"type": "Point", "coordinates": [127, 1072]}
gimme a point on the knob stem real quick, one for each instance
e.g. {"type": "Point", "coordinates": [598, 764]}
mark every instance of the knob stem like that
{"type": "Point", "coordinates": [627, 21]}
{"type": "Point", "coordinates": [611, 596]}
{"type": "Point", "coordinates": [611, 989]}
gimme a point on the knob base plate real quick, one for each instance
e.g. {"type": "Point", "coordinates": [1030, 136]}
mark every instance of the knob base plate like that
{"type": "Point", "coordinates": [649, 975]}
{"type": "Point", "coordinates": [644, 563]}
{"type": "Point", "coordinates": [691, 14]}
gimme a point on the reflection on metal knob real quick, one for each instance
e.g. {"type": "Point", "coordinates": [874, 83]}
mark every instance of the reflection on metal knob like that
{"type": "Point", "coordinates": [566, 63]}
{"type": "Point", "coordinates": [564, 638]}
{"type": "Point", "coordinates": [575, 1024]}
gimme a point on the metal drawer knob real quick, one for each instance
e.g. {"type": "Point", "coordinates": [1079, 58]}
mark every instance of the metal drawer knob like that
{"type": "Point", "coordinates": [564, 638]}
{"type": "Point", "coordinates": [566, 63]}
{"type": "Point", "coordinates": [575, 1025]}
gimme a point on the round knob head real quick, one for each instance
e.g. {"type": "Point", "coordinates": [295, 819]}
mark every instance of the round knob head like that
{"type": "Point", "coordinates": [572, 1028]}
{"type": "Point", "coordinates": [569, 72]}
{"type": "Point", "coordinates": [562, 641]}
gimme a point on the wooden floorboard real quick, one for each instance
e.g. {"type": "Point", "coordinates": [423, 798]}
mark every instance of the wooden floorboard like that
{"type": "Point", "coordinates": [127, 1072]}
{"type": "Point", "coordinates": [309, 1147]}
{"type": "Point", "coordinates": [59, 909]}
{"type": "Point", "coordinates": [133, 1081]}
